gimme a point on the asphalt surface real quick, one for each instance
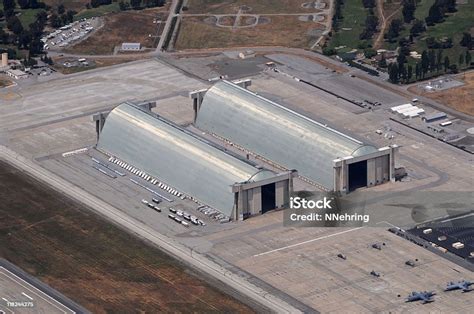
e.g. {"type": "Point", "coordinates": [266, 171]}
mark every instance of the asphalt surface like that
{"type": "Point", "coordinates": [167, 244]}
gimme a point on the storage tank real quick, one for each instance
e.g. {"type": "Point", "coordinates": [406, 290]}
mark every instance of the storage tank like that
{"type": "Point", "coordinates": [4, 59]}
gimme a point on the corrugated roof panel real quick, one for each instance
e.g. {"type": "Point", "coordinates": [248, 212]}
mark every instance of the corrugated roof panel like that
{"type": "Point", "coordinates": [183, 161]}
{"type": "Point", "coordinates": [275, 132]}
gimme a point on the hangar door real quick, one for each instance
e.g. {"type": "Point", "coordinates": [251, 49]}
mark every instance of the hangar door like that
{"type": "Point", "coordinates": [268, 197]}
{"type": "Point", "coordinates": [357, 175]}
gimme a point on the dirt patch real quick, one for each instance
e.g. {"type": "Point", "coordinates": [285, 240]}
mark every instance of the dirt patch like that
{"type": "Point", "coordinates": [94, 63]}
{"type": "Point", "coordinates": [91, 261]}
{"type": "Point", "coordinates": [285, 31]}
{"type": "Point", "coordinates": [249, 20]}
{"type": "Point", "coordinates": [4, 82]}
{"type": "Point", "coordinates": [458, 98]}
{"type": "Point", "coordinates": [262, 20]}
{"type": "Point", "coordinates": [249, 6]}
{"type": "Point", "coordinates": [212, 20]}
{"type": "Point", "coordinates": [226, 20]}
{"type": "Point", "coordinates": [130, 26]}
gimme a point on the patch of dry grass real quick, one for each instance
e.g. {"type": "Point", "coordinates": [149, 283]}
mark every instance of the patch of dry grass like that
{"type": "Point", "coordinates": [285, 31]}
{"type": "Point", "coordinates": [459, 98]}
{"type": "Point", "coordinates": [121, 27]}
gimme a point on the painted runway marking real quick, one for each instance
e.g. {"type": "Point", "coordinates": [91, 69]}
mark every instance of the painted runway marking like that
{"type": "Point", "coordinates": [27, 296]}
{"type": "Point", "coordinates": [22, 283]}
{"type": "Point", "coordinates": [460, 217]}
{"type": "Point", "coordinates": [304, 242]}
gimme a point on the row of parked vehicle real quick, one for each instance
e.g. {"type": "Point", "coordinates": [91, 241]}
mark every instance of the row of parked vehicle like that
{"type": "Point", "coordinates": [213, 213]}
{"type": "Point", "coordinates": [178, 215]}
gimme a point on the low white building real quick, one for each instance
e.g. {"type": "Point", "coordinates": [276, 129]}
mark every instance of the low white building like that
{"type": "Point", "coordinates": [16, 74]}
{"type": "Point", "coordinates": [247, 54]}
{"type": "Point", "coordinates": [131, 46]}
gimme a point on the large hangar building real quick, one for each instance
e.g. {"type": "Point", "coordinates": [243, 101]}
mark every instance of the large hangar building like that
{"type": "Point", "coordinates": [325, 156]}
{"type": "Point", "coordinates": [191, 164]}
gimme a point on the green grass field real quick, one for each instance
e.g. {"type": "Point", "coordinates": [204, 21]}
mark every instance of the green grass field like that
{"type": "Point", "coordinates": [28, 16]}
{"type": "Point", "coordinates": [453, 27]}
{"type": "Point", "coordinates": [354, 18]}
{"type": "Point", "coordinates": [99, 11]}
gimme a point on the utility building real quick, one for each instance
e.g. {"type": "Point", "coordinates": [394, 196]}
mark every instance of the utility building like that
{"type": "Point", "coordinates": [191, 164]}
{"type": "Point", "coordinates": [327, 157]}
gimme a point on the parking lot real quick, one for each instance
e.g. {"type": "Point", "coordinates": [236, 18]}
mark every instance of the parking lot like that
{"type": "Point", "coordinates": [70, 33]}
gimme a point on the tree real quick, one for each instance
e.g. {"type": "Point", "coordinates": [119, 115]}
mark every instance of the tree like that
{"type": "Point", "coordinates": [124, 6]}
{"type": "Point", "coordinates": [368, 3]}
{"type": "Point", "coordinates": [8, 5]}
{"type": "Point", "coordinates": [435, 15]}
{"type": "Point", "coordinates": [61, 9]}
{"type": "Point", "coordinates": [15, 25]}
{"type": "Point", "coordinates": [409, 73]}
{"type": "Point", "coordinates": [417, 28]}
{"type": "Point", "coordinates": [408, 11]}
{"type": "Point", "coordinates": [371, 23]}
{"type": "Point", "coordinates": [24, 4]}
{"type": "Point", "coordinates": [401, 58]}
{"type": "Point", "coordinates": [394, 30]}
{"type": "Point", "coordinates": [425, 63]}
{"type": "Point", "coordinates": [439, 60]}
{"type": "Point", "coordinates": [468, 58]}
{"type": "Point", "coordinates": [36, 47]}
{"type": "Point", "coordinates": [417, 71]}
{"type": "Point", "coordinates": [403, 72]}
{"type": "Point", "coordinates": [393, 73]}
{"type": "Point", "coordinates": [432, 58]}
{"type": "Point", "coordinates": [135, 3]}
{"type": "Point", "coordinates": [446, 63]}
{"type": "Point", "coordinates": [55, 20]}
{"type": "Point", "coordinates": [42, 17]}
{"type": "Point", "coordinates": [461, 59]}
{"type": "Point", "coordinates": [466, 40]}
{"type": "Point", "coordinates": [370, 52]}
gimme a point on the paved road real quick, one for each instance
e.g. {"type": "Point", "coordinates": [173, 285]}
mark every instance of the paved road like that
{"type": "Point", "coordinates": [167, 244]}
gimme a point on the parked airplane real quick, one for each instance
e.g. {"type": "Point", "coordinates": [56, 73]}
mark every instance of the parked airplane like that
{"type": "Point", "coordinates": [461, 285]}
{"type": "Point", "coordinates": [424, 296]}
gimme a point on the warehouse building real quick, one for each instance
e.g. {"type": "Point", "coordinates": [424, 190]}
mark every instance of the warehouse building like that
{"type": "Point", "coordinates": [191, 164]}
{"type": "Point", "coordinates": [329, 158]}
{"type": "Point", "coordinates": [131, 46]}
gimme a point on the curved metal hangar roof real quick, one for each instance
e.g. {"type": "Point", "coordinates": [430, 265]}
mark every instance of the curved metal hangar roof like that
{"type": "Point", "coordinates": [179, 158]}
{"type": "Point", "coordinates": [275, 132]}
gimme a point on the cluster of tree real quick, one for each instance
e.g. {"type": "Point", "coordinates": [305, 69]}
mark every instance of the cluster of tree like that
{"type": "Point", "coordinates": [417, 28]}
{"type": "Point", "coordinates": [63, 19]}
{"type": "Point", "coordinates": [368, 4]}
{"type": "Point", "coordinates": [438, 10]}
{"type": "Point", "coordinates": [433, 43]}
{"type": "Point", "coordinates": [137, 4]}
{"type": "Point", "coordinates": [431, 62]}
{"type": "Point", "coordinates": [337, 17]}
{"type": "Point", "coordinates": [98, 3]}
{"type": "Point", "coordinates": [9, 8]}
{"type": "Point", "coordinates": [371, 22]}
{"type": "Point", "coordinates": [31, 4]}
{"type": "Point", "coordinates": [29, 39]}
{"type": "Point", "coordinates": [394, 30]}
{"type": "Point", "coordinates": [467, 41]}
